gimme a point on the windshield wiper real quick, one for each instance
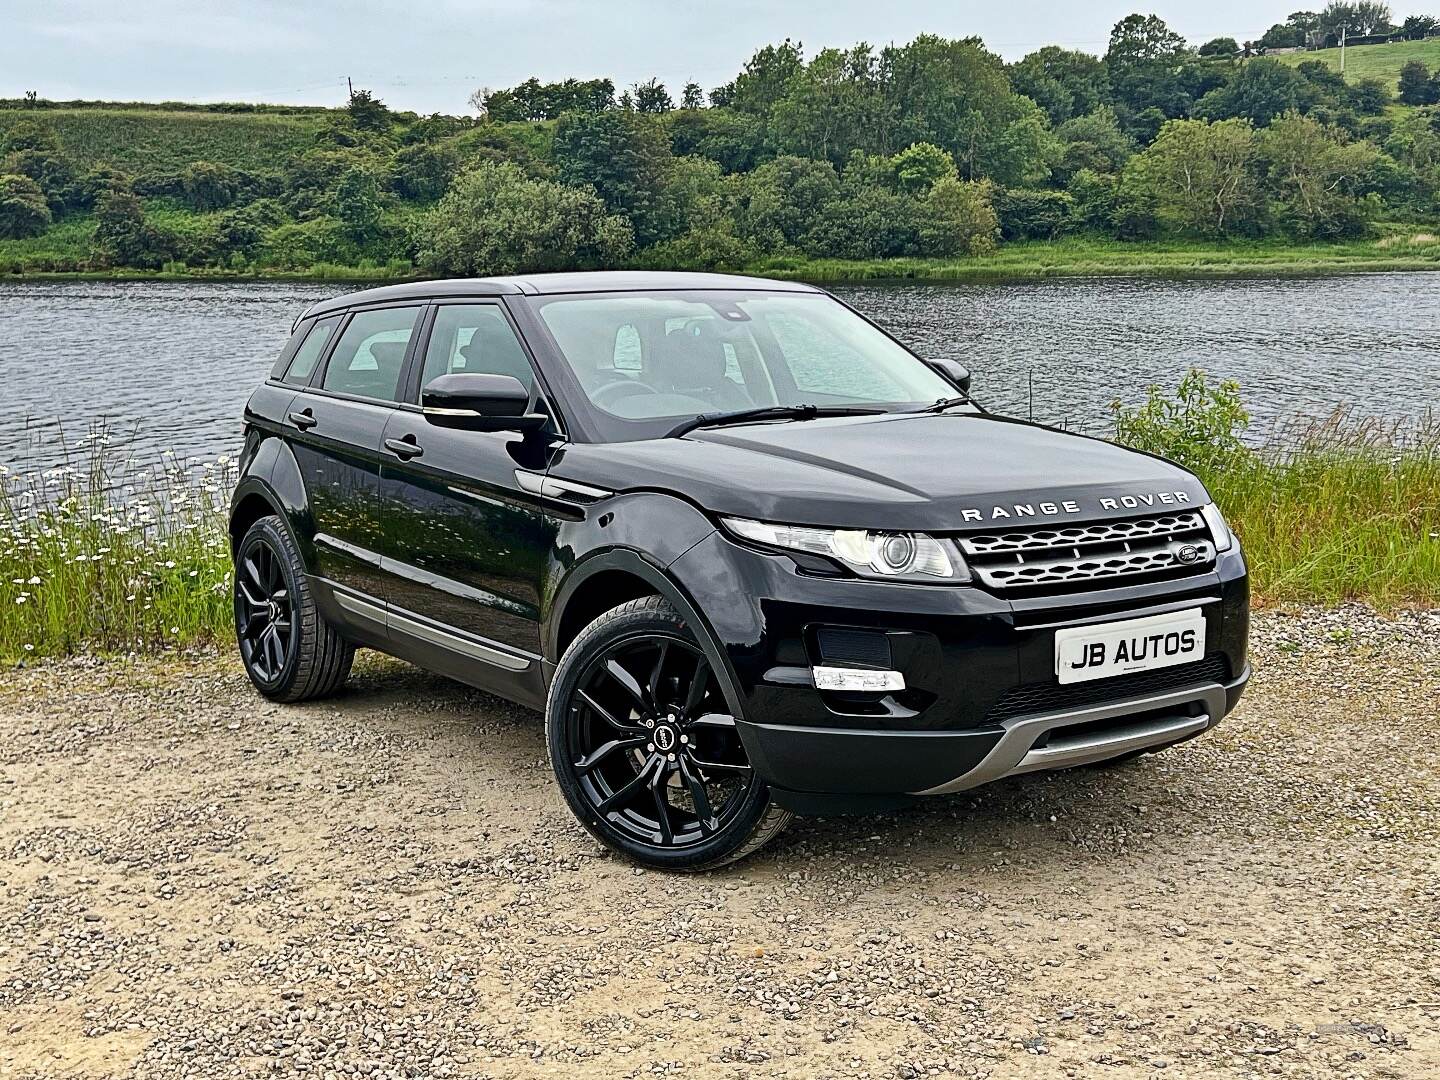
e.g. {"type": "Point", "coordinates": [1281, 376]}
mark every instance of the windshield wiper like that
{"type": "Point", "coordinates": [949, 403]}
{"type": "Point", "coordinates": [769, 412]}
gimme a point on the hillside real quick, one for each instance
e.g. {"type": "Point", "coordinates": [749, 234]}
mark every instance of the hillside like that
{"type": "Point", "coordinates": [168, 140]}
{"type": "Point", "coordinates": [1381, 62]}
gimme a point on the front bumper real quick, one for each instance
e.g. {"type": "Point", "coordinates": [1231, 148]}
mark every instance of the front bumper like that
{"type": "Point", "coordinates": [849, 761]}
{"type": "Point", "coordinates": [981, 699]}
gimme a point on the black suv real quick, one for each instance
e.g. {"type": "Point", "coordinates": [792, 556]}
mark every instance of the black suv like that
{"type": "Point", "coordinates": [750, 554]}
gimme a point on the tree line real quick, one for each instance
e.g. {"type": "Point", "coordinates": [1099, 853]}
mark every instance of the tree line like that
{"type": "Point", "coordinates": [934, 148]}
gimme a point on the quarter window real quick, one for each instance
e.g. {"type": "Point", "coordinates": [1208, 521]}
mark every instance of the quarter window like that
{"type": "Point", "coordinates": [302, 364]}
{"type": "Point", "coordinates": [474, 338]}
{"type": "Point", "coordinates": [370, 353]}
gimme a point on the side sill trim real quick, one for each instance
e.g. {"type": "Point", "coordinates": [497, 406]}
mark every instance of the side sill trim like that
{"type": "Point", "coordinates": [359, 606]}
{"type": "Point", "coordinates": [457, 643]}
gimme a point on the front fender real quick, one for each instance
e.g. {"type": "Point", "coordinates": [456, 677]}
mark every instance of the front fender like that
{"type": "Point", "coordinates": [641, 534]}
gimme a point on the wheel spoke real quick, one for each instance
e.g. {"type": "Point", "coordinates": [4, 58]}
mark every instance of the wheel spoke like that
{"type": "Point", "coordinates": [272, 569]}
{"type": "Point", "coordinates": [699, 684]}
{"type": "Point", "coordinates": [703, 814]}
{"type": "Point", "coordinates": [628, 684]}
{"type": "Point", "coordinates": [629, 789]}
{"type": "Point", "coordinates": [721, 766]}
{"type": "Point", "coordinates": [589, 761]}
{"type": "Point", "coordinates": [246, 596]}
{"type": "Point", "coordinates": [253, 571]}
{"type": "Point", "coordinates": [606, 715]}
{"type": "Point", "coordinates": [658, 788]}
{"type": "Point", "coordinates": [276, 651]}
{"type": "Point", "coordinates": [715, 720]}
{"type": "Point", "coordinates": [657, 672]}
{"type": "Point", "coordinates": [255, 620]}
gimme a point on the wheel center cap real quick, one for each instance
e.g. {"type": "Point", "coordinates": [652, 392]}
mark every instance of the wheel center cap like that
{"type": "Point", "coordinates": [665, 738]}
{"type": "Point", "coordinates": [274, 610]}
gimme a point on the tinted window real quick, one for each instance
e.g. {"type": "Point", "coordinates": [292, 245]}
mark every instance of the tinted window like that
{"type": "Point", "coordinates": [474, 338]}
{"type": "Point", "coordinates": [370, 353]}
{"type": "Point", "coordinates": [302, 364]}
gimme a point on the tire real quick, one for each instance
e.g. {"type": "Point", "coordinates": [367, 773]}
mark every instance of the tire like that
{"type": "Point", "coordinates": [289, 650]}
{"type": "Point", "coordinates": [627, 746]}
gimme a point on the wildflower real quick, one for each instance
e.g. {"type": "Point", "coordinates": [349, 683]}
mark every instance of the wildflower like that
{"type": "Point", "coordinates": [22, 598]}
{"type": "Point", "coordinates": [174, 629]}
{"type": "Point", "coordinates": [33, 581]}
{"type": "Point", "coordinates": [29, 647]}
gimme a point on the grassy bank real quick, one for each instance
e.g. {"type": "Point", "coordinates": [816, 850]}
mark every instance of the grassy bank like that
{"type": "Point", "coordinates": [158, 138]}
{"type": "Point", "coordinates": [1084, 257]}
{"type": "Point", "coordinates": [98, 558]}
{"type": "Point", "coordinates": [1410, 249]}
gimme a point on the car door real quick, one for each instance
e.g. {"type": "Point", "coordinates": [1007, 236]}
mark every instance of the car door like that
{"type": "Point", "coordinates": [465, 546]}
{"type": "Point", "coordinates": [338, 420]}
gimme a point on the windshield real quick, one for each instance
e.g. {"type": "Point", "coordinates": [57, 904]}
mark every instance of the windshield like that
{"type": "Point", "coordinates": [645, 361]}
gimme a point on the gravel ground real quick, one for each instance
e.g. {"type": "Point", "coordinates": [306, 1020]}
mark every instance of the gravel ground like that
{"type": "Point", "coordinates": [196, 883]}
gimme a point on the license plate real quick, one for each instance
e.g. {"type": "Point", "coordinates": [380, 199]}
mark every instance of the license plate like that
{"type": "Point", "coordinates": [1083, 653]}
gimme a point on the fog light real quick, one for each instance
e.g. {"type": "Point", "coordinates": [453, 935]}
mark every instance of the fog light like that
{"type": "Point", "coordinates": [857, 679]}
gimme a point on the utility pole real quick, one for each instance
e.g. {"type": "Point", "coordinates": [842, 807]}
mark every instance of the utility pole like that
{"type": "Point", "coordinates": [350, 87]}
{"type": "Point", "coordinates": [1343, 28]}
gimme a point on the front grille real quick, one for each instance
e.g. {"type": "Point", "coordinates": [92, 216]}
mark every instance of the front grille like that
{"type": "Point", "coordinates": [1052, 697]}
{"type": "Point", "coordinates": [1056, 558]}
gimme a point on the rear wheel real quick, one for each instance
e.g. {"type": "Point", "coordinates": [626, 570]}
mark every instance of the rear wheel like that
{"type": "Point", "coordinates": [290, 651]}
{"type": "Point", "coordinates": [645, 749]}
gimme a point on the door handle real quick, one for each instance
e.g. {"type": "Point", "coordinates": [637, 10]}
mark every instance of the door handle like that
{"type": "Point", "coordinates": [303, 419]}
{"type": "Point", "coordinates": [405, 448]}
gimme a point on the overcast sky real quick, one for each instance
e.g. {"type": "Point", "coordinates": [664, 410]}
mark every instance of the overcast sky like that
{"type": "Point", "coordinates": [428, 55]}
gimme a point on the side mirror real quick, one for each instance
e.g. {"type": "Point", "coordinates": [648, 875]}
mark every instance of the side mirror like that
{"type": "Point", "coordinates": [479, 403]}
{"type": "Point", "coordinates": [954, 371]}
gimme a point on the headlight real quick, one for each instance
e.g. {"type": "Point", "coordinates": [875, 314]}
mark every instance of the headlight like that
{"type": "Point", "coordinates": [892, 556]}
{"type": "Point", "coordinates": [1219, 531]}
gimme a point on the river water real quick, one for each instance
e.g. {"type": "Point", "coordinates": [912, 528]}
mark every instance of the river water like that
{"type": "Point", "coordinates": [168, 366]}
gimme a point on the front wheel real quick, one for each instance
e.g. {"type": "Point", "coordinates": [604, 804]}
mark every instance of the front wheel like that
{"type": "Point", "coordinates": [645, 749]}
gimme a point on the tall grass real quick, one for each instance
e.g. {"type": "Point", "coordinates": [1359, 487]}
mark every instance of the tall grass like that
{"type": "Point", "coordinates": [96, 556]}
{"type": "Point", "coordinates": [1343, 507]}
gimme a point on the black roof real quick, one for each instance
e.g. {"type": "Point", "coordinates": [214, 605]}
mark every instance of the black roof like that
{"type": "Point", "coordinates": [545, 284]}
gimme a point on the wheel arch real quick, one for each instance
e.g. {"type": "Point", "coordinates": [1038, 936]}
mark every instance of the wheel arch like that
{"type": "Point", "coordinates": [610, 578]}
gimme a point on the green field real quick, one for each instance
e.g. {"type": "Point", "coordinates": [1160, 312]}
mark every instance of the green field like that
{"type": "Point", "coordinates": [1381, 62]}
{"type": "Point", "coordinates": [159, 140]}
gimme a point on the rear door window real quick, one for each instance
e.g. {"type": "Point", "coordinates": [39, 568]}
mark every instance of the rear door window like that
{"type": "Point", "coordinates": [302, 364]}
{"type": "Point", "coordinates": [370, 354]}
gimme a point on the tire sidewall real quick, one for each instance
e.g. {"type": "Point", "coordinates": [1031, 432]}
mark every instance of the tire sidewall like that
{"type": "Point", "coordinates": [634, 621]}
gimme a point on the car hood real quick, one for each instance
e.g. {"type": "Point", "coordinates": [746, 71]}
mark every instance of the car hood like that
{"type": "Point", "coordinates": [936, 472]}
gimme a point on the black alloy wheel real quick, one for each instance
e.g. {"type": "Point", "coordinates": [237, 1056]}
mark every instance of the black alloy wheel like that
{"type": "Point", "coordinates": [290, 651]}
{"type": "Point", "coordinates": [264, 622]}
{"type": "Point", "coordinates": [646, 749]}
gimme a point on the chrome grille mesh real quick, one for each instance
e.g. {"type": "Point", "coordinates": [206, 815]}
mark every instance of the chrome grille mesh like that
{"type": "Point", "coordinates": [1077, 555]}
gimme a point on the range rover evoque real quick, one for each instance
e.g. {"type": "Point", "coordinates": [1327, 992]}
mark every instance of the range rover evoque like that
{"type": "Point", "coordinates": [751, 555]}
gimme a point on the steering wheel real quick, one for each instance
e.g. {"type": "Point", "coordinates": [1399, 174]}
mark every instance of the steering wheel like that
{"type": "Point", "coordinates": [620, 388]}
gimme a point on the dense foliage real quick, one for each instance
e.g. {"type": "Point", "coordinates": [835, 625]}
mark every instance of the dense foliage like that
{"type": "Point", "coordinates": [935, 148]}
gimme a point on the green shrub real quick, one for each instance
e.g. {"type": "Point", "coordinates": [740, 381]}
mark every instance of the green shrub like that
{"type": "Point", "coordinates": [23, 209]}
{"type": "Point", "coordinates": [1200, 427]}
{"type": "Point", "coordinates": [496, 220]}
